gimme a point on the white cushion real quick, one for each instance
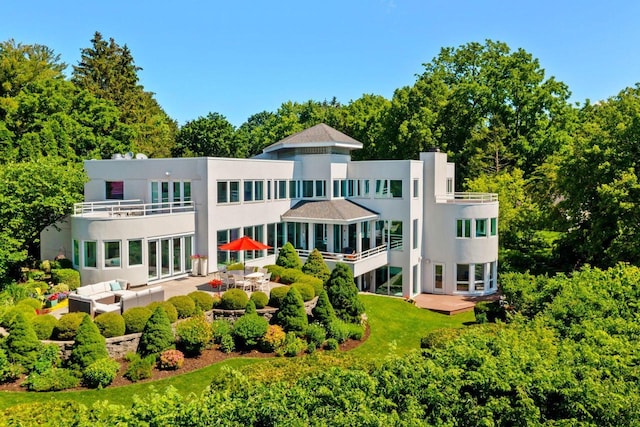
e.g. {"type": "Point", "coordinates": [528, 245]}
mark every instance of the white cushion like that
{"type": "Point", "coordinates": [123, 293]}
{"type": "Point", "coordinates": [99, 307]}
{"type": "Point", "coordinates": [84, 290]}
{"type": "Point", "coordinates": [101, 295]}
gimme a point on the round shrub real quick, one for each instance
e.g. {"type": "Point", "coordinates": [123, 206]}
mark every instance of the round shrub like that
{"type": "Point", "coordinates": [135, 318]}
{"type": "Point", "coordinates": [291, 275]}
{"type": "Point", "coordinates": [171, 360]}
{"type": "Point", "coordinates": [157, 334]}
{"type": "Point", "coordinates": [292, 346]}
{"type": "Point", "coordinates": [249, 329]}
{"type": "Point", "coordinates": [27, 311]}
{"type": "Point", "coordinates": [331, 344]}
{"type": "Point", "coordinates": [139, 368]}
{"type": "Point", "coordinates": [67, 326]}
{"type": "Point", "coordinates": [260, 299]}
{"type": "Point", "coordinates": [216, 301]}
{"type": "Point", "coordinates": [45, 266]}
{"type": "Point", "coordinates": [193, 335]}
{"type": "Point", "coordinates": [315, 283]}
{"type": "Point", "coordinates": [185, 305]}
{"type": "Point", "coordinates": [305, 290]}
{"type": "Point", "coordinates": [68, 276]}
{"type": "Point", "coordinates": [100, 373]}
{"type": "Point", "coordinates": [234, 299]}
{"type": "Point", "coordinates": [227, 345]}
{"type": "Point", "coordinates": [62, 287]}
{"type": "Point", "coordinates": [273, 339]}
{"type": "Point", "coordinates": [31, 302]}
{"type": "Point", "coordinates": [276, 272]}
{"type": "Point", "coordinates": [43, 326]}
{"type": "Point", "coordinates": [316, 335]}
{"type": "Point", "coordinates": [54, 379]}
{"type": "Point", "coordinates": [110, 324]}
{"type": "Point", "coordinates": [277, 295]}
{"type": "Point", "coordinates": [202, 299]}
{"type": "Point", "coordinates": [169, 309]}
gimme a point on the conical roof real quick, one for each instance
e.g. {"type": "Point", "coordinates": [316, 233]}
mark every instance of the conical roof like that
{"type": "Point", "coordinates": [320, 135]}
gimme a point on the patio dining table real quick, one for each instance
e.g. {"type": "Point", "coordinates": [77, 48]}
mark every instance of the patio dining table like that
{"type": "Point", "coordinates": [253, 278]}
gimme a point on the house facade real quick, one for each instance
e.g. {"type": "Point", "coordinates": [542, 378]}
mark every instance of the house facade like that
{"type": "Point", "coordinates": [398, 224]}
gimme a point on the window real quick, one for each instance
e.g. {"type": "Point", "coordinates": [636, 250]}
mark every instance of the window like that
{"type": "Point", "coordinates": [415, 279]}
{"type": "Point", "coordinates": [188, 251]}
{"type": "Point", "coordinates": [382, 188]}
{"type": "Point", "coordinates": [163, 192]}
{"type": "Point", "coordinates": [135, 252]}
{"type": "Point", "coordinates": [248, 191]}
{"type": "Point", "coordinates": [112, 254]}
{"type": "Point", "coordinates": [307, 188]}
{"type": "Point", "coordinates": [114, 190]}
{"type": "Point", "coordinates": [343, 187]}
{"type": "Point", "coordinates": [481, 228]}
{"type": "Point", "coordinates": [321, 188]}
{"type": "Point", "coordinates": [256, 233]}
{"type": "Point", "coordinates": [462, 277]}
{"type": "Point", "coordinates": [415, 187]}
{"type": "Point", "coordinates": [336, 188]}
{"type": "Point", "coordinates": [268, 190]}
{"type": "Point", "coordinates": [396, 188]}
{"type": "Point", "coordinates": [365, 188]}
{"type": "Point", "coordinates": [76, 253]}
{"type": "Point", "coordinates": [225, 236]}
{"type": "Point", "coordinates": [415, 234]}
{"type": "Point", "coordinates": [282, 190]}
{"type": "Point", "coordinates": [186, 186]}
{"type": "Point", "coordinates": [493, 270]}
{"type": "Point", "coordinates": [293, 189]}
{"type": "Point", "coordinates": [395, 235]}
{"type": "Point", "coordinates": [177, 191]}
{"type": "Point", "coordinates": [234, 191]}
{"type": "Point", "coordinates": [449, 185]}
{"type": "Point", "coordinates": [438, 276]}
{"type": "Point", "coordinates": [494, 226]}
{"type": "Point", "coordinates": [223, 194]}
{"type": "Point", "coordinates": [90, 253]}
{"type": "Point", "coordinates": [479, 277]}
{"type": "Point", "coordinates": [258, 190]}
{"type": "Point", "coordinates": [463, 228]}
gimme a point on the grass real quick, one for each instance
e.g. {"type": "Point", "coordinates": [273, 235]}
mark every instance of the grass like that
{"type": "Point", "coordinates": [396, 329]}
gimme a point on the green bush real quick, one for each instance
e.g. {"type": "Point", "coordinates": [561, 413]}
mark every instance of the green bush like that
{"type": "Point", "coordinates": [139, 368]}
{"type": "Point", "coordinates": [234, 299]}
{"type": "Point", "coordinates": [184, 305]}
{"type": "Point", "coordinates": [249, 329]}
{"type": "Point", "coordinates": [250, 308]}
{"type": "Point", "coordinates": [88, 346]}
{"type": "Point", "coordinates": [193, 335]}
{"type": "Point", "coordinates": [277, 295]}
{"type": "Point", "coordinates": [38, 275]}
{"type": "Point", "coordinates": [43, 413]}
{"type": "Point", "coordinates": [45, 265]}
{"type": "Point", "coordinates": [22, 344]}
{"type": "Point", "coordinates": [323, 310]}
{"type": "Point", "coordinates": [291, 275]}
{"type": "Point", "coordinates": [100, 373]}
{"type": "Point", "coordinates": [439, 338]}
{"type": "Point", "coordinates": [8, 371]}
{"type": "Point", "coordinates": [338, 330]}
{"type": "Point", "coordinates": [27, 312]}
{"type": "Point", "coordinates": [235, 266]}
{"type": "Point", "coordinates": [305, 290]}
{"type": "Point", "coordinates": [288, 257]}
{"type": "Point", "coordinates": [157, 334]}
{"type": "Point", "coordinates": [276, 272]}
{"type": "Point", "coordinates": [219, 329]}
{"type": "Point", "coordinates": [135, 318]}
{"type": "Point", "coordinates": [314, 282]}
{"type": "Point", "coordinates": [33, 303]}
{"type": "Point", "coordinates": [169, 308]}
{"type": "Point", "coordinates": [292, 346]}
{"type": "Point", "coordinates": [343, 294]}
{"type": "Point", "coordinates": [273, 339]}
{"type": "Point", "coordinates": [292, 315]}
{"type": "Point", "coordinates": [110, 324]}
{"type": "Point", "coordinates": [316, 335]}
{"type": "Point", "coordinates": [260, 299]}
{"type": "Point", "coordinates": [316, 267]}
{"type": "Point", "coordinates": [356, 331]}
{"type": "Point", "coordinates": [62, 287]}
{"type": "Point", "coordinates": [331, 344]}
{"type": "Point", "coordinates": [171, 360]}
{"type": "Point", "coordinates": [68, 276]}
{"type": "Point", "coordinates": [227, 344]}
{"type": "Point", "coordinates": [216, 301]}
{"type": "Point", "coordinates": [43, 326]}
{"type": "Point", "coordinates": [64, 263]}
{"type": "Point", "coordinates": [489, 311]}
{"type": "Point", "coordinates": [67, 326]}
{"type": "Point", "coordinates": [48, 357]}
{"type": "Point", "coordinates": [53, 379]}
{"type": "Point", "coordinates": [202, 300]}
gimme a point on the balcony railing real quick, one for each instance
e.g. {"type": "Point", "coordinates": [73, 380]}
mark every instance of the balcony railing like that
{"type": "Point", "coordinates": [354, 257]}
{"type": "Point", "coordinates": [127, 208]}
{"type": "Point", "coordinates": [467, 198]}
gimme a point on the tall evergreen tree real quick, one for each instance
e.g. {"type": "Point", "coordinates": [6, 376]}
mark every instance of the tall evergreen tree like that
{"type": "Point", "coordinates": [316, 267]}
{"type": "Point", "coordinates": [343, 294]}
{"type": "Point", "coordinates": [89, 345]}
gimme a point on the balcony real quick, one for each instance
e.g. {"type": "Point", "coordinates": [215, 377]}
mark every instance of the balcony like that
{"type": "Point", "coordinates": [359, 262]}
{"type": "Point", "coordinates": [129, 208]}
{"type": "Point", "coordinates": [467, 198]}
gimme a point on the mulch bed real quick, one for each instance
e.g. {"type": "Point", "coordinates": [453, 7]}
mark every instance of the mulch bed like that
{"type": "Point", "coordinates": [208, 357]}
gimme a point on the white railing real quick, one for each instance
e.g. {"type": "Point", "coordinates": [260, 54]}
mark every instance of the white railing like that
{"type": "Point", "coordinates": [467, 198]}
{"type": "Point", "coordinates": [125, 208]}
{"type": "Point", "coordinates": [354, 257]}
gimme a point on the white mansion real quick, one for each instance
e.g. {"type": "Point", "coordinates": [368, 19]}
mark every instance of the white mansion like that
{"type": "Point", "coordinates": [398, 224]}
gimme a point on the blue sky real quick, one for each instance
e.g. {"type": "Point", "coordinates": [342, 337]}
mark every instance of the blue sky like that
{"type": "Point", "coordinates": [238, 58]}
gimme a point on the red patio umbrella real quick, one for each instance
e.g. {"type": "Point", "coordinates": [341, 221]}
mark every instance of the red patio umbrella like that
{"type": "Point", "coordinates": [244, 243]}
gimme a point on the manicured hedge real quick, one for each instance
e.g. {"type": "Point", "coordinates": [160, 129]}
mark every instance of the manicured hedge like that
{"type": "Point", "coordinates": [202, 299]}
{"type": "Point", "coordinates": [260, 299]}
{"type": "Point", "coordinates": [110, 324]}
{"type": "Point", "coordinates": [43, 326]}
{"type": "Point", "coordinates": [234, 299]}
{"type": "Point", "coordinates": [277, 295]}
{"type": "Point", "coordinates": [306, 290]}
{"type": "Point", "coordinates": [135, 318]}
{"type": "Point", "coordinates": [67, 326]}
{"type": "Point", "coordinates": [169, 308]}
{"type": "Point", "coordinates": [184, 304]}
{"type": "Point", "coordinates": [68, 276]}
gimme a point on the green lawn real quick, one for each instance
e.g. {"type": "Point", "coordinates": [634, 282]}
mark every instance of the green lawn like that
{"type": "Point", "coordinates": [396, 328]}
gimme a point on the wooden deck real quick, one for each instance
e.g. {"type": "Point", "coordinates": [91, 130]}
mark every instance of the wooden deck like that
{"type": "Point", "coordinates": [450, 304]}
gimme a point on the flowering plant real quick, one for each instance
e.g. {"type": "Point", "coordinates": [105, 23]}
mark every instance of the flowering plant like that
{"type": "Point", "coordinates": [171, 359]}
{"type": "Point", "coordinates": [53, 297]}
{"type": "Point", "coordinates": [216, 284]}
{"type": "Point", "coordinates": [195, 256]}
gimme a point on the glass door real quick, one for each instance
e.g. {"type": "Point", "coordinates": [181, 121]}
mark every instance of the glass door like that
{"type": "Point", "coordinates": [438, 278]}
{"type": "Point", "coordinates": [153, 259]}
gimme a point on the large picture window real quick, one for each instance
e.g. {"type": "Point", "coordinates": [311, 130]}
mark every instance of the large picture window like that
{"type": "Point", "coordinates": [463, 228]}
{"type": "Point", "coordinates": [462, 277]}
{"type": "Point", "coordinates": [90, 254]}
{"type": "Point", "coordinates": [114, 190]}
{"type": "Point", "coordinates": [135, 252]}
{"type": "Point", "coordinates": [112, 254]}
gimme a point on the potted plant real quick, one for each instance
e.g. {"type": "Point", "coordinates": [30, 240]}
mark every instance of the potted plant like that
{"type": "Point", "coordinates": [195, 265]}
{"type": "Point", "coordinates": [52, 300]}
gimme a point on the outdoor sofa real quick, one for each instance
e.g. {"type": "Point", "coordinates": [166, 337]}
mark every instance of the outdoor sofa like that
{"type": "Point", "coordinates": [111, 296]}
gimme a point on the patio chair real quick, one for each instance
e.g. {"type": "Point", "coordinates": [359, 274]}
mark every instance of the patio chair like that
{"type": "Point", "coordinates": [263, 283]}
